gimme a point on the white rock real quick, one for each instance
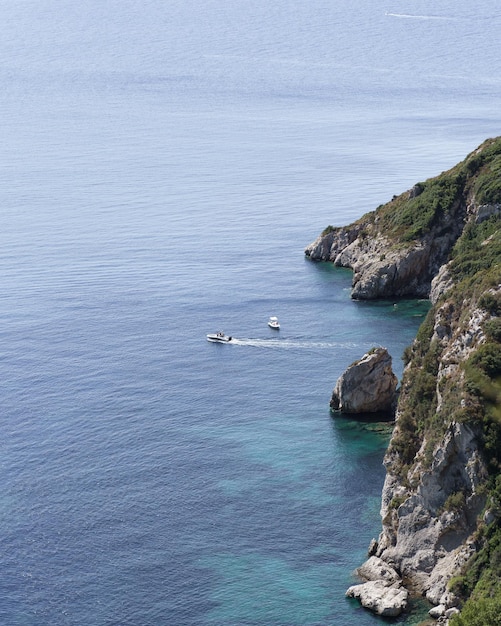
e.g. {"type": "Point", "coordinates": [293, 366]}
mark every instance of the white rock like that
{"type": "Point", "coordinates": [379, 598]}
{"type": "Point", "coordinates": [437, 611]}
{"type": "Point", "coordinates": [376, 569]}
{"type": "Point", "coordinates": [367, 386]}
{"type": "Point", "coordinates": [450, 612]}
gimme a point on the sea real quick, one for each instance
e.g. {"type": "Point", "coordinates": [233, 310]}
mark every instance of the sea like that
{"type": "Point", "coordinates": [164, 163]}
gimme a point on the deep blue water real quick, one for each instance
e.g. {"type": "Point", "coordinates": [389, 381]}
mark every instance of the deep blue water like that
{"type": "Point", "coordinates": [164, 164]}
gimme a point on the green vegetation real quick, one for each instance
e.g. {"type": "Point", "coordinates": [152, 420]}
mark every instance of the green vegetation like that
{"type": "Point", "coordinates": [455, 502]}
{"type": "Point", "coordinates": [478, 249]}
{"type": "Point", "coordinates": [328, 229]}
{"type": "Point", "coordinates": [397, 501]}
{"type": "Point", "coordinates": [471, 391]}
{"type": "Point", "coordinates": [418, 395]}
{"type": "Point", "coordinates": [411, 216]}
{"type": "Point", "coordinates": [482, 612]}
{"type": "Point", "coordinates": [492, 329]}
{"type": "Point", "coordinates": [474, 393]}
{"type": "Point", "coordinates": [481, 584]}
{"type": "Point", "coordinates": [487, 186]}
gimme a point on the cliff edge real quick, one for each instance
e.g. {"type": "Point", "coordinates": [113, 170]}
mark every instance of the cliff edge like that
{"type": "Point", "coordinates": [441, 501]}
{"type": "Point", "coordinates": [398, 249]}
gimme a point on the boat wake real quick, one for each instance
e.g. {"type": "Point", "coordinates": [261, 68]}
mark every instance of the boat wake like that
{"type": "Point", "coordinates": [419, 17]}
{"type": "Point", "coordinates": [290, 344]}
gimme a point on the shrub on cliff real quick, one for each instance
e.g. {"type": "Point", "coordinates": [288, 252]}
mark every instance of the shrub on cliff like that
{"type": "Point", "coordinates": [481, 583]}
{"type": "Point", "coordinates": [411, 216]}
{"type": "Point", "coordinates": [483, 612]}
{"type": "Point", "coordinates": [408, 219]}
{"type": "Point", "coordinates": [478, 249]}
{"type": "Point", "coordinates": [469, 393]}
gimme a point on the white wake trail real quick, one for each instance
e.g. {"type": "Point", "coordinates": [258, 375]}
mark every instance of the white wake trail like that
{"type": "Point", "coordinates": [419, 17]}
{"type": "Point", "coordinates": [288, 344]}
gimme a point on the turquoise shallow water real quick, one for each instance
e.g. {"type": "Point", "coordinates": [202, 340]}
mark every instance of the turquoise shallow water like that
{"type": "Point", "coordinates": [163, 167]}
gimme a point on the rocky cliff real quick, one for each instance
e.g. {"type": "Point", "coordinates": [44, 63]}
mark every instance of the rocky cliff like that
{"type": "Point", "coordinates": [399, 249]}
{"type": "Point", "coordinates": [441, 501]}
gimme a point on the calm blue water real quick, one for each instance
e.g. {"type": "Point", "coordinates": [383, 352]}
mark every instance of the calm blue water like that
{"type": "Point", "coordinates": [163, 165]}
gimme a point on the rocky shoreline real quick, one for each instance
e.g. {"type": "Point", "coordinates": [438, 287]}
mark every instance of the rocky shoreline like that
{"type": "Point", "coordinates": [434, 499]}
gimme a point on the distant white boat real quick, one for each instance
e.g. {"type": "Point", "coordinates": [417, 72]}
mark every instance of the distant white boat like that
{"type": "Point", "coordinates": [274, 323]}
{"type": "Point", "coordinates": [219, 337]}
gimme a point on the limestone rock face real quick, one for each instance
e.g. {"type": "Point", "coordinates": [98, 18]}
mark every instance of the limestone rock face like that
{"type": "Point", "coordinates": [436, 494]}
{"type": "Point", "coordinates": [367, 386]}
{"type": "Point", "coordinates": [424, 537]}
{"type": "Point", "coordinates": [377, 569]}
{"type": "Point", "coordinates": [383, 592]}
{"type": "Point", "coordinates": [441, 283]}
{"type": "Point", "coordinates": [423, 540]}
{"type": "Point", "coordinates": [485, 211]}
{"type": "Point", "coordinates": [382, 269]}
{"type": "Point", "coordinates": [431, 510]}
{"type": "Point", "coordinates": [378, 597]}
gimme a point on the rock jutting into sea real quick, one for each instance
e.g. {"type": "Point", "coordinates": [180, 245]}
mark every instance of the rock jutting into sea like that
{"type": "Point", "coordinates": [385, 600]}
{"type": "Point", "coordinates": [441, 502]}
{"type": "Point", "coordinates": [382, 592]}
{"type": "Point", "coordinates": [367, 386]}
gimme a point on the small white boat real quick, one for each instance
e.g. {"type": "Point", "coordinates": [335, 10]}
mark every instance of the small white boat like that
{"type": "Point", "coordinates": [219, 337]}
{"type": "Point", "coordinates": [274, 323]}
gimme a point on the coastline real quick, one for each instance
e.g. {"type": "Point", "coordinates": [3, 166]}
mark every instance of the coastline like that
{"type": "Point", "coordinates": [440, 239]}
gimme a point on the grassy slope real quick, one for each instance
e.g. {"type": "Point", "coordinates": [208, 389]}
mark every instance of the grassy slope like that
{"type": "Point", "coordinates": [407, 218]}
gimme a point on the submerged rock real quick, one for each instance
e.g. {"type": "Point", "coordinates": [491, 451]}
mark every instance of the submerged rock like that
{"type": "Point", "coordinates": [367, 386]}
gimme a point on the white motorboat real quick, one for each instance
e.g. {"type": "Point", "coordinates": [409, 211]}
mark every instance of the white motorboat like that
{"type": "Point", "coordinates": [218, 337]}
{"type": "Point", "coordinates": [274, 323]}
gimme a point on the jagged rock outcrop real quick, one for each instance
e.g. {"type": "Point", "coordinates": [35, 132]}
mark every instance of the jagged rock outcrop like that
{"type": "Point", "coordinates": [444, 451]}
{"type": "Point", "coordinates": [384, 600]}
{"type": "Point", "coordinates": [441, 283]}
{"type": "Point", "coordinates": [367, 386]}
{"type": "Point", "coordinates": [377, 569]}
{"type": "Point", "coordinates": [431, 509]}
{"type": "Point", "coordinates": [400, 257]}
{"type": "Point", "coordinates": [422, 537]}
{"type": "Point", "coordinates": [485, 211]}
{"type": "Point", "coordinates": [382, 592]}
{"type": "Point", "coordinates": [381, 269]}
